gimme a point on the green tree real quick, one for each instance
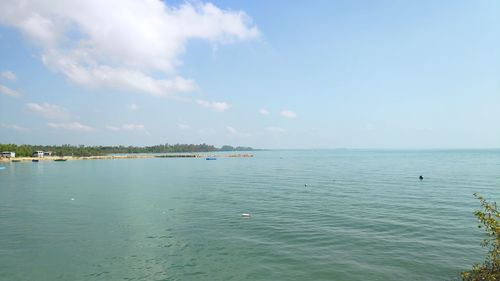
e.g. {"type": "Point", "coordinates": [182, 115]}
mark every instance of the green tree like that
{"type": "Point", "coordinates": [82, 150]}
{"type": "Point", "coordinates": [489, 219]}
{"type": "Point", "coordinates": [227, 148]}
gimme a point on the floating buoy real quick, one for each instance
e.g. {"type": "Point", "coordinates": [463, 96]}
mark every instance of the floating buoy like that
{"type": "Point", "coordinates": [245, 215]}
{"type": "Point", "coordinates": [420, 178]}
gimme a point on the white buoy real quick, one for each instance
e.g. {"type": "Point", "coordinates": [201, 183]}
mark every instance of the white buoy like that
{"type": "Point", "coordinates": [245, 215]}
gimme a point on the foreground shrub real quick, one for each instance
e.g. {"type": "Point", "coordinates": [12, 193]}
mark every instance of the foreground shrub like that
{"type": "Point", "coordinates": [489, 220]}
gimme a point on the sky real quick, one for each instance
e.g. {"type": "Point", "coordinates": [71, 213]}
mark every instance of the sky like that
{"type": "Point", "coordinates": [266, 74]}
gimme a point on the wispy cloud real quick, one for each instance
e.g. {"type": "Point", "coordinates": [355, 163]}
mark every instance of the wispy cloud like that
{"type": "Point", "coordinates": [264, 111]}
{"type": "Point", "coordinates": [288, 114]}
{"type": "Point", "coordinates": [133, 107]}
{"type": "Point", "coordinates": [133, 127]}
{"type": "Point", "coordinates": [127, 127]}
{"type": "Point", "coordinates": [13, 127]}
{"type": "Point", "coordinates": [119, 43]}
{"type": "Point", "coordinates": [183, 126]}
{"type": "Point", "coordinates": [8, 75]}
{"type": "Point", "coordinates": [113, 128]}
{"type": "Point", "coordinates": [8, 91]}
{"type": "Point", "coordinates": [215, 106]}
{"type": "Point", "coordinates": [49, 111]}
{"type": "Point", "coordinates": [231, 130]}
{"type": "Point", "coordinates": [72, 126]}
{"type": "Point", "coordinates": [275, 130]}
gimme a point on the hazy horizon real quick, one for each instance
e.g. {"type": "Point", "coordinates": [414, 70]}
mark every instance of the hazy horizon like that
{"type": "Point", "coordinates": [270, 75]}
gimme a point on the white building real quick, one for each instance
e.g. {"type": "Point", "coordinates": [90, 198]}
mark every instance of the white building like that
{"type": "Point", "coordinates": [38, 154]}
{"type": "Point", "coordinates": [8, 154]}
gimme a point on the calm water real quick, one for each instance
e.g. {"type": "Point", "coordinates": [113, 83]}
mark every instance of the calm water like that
{"type": "Point", "coordinates": [363, 216]}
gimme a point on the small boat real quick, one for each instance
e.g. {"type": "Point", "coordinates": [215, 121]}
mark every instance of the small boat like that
{"type": "Point", "coordinates": [60, 159]}
{"type": "Point", "coordinates": [35, 160]}
{"type": "Point", "coordinates": [2, 168]}
{"type": "Point", "coordinates": [15, 160]}
{"type": "Point", "coordinates": [211, 158]}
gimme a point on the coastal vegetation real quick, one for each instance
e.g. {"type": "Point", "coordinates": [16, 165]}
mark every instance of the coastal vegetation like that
{"type": "Point", "coordinates": [82, 150]}
{"type": "Point", "coordinates": [489, 219]}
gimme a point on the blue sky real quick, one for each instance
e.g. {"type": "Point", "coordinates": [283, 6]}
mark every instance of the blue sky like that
{"type": "Point", "coordinates": [305, 74]}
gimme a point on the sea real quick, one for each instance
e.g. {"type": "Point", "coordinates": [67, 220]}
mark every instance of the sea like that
{"type": "Point", "coordinates": [314, 215]}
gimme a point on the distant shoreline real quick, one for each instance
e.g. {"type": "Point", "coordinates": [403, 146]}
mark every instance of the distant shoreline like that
{"type": "Point", "coordinates": [129, 156]}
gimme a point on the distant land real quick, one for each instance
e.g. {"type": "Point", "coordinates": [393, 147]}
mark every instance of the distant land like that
{"type": "Point", "coordinates": [84, 151]}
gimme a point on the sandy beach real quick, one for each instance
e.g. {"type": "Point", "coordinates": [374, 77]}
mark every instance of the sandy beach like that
{"type": "Point", "coordinates": [104, 157]}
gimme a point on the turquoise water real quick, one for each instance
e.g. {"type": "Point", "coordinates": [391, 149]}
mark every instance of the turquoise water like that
{"type": "Point", "coordinates": [364, 215]}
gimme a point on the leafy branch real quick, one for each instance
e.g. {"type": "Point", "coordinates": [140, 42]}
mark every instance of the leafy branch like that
{"type": "Point", "coordinates": [489, 220]}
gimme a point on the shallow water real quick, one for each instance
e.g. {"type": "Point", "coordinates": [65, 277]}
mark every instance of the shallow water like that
{"type": "Point", "coordinates": [363, 215]}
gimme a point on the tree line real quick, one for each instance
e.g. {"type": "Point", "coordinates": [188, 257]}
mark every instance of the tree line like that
{"type": "Point", "coordinates": [83, 150]}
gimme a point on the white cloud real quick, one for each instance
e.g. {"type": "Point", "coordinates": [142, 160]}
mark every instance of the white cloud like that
{"type": "Point", "coordinates": [231, 130]}
{"type": "Point", "coordinates": [183, 126]}
{"type": "Point", "coordinates": [264, 111]}
{"type": "Point", "coordinates": [288, 114]}
{"type": "Point", "coordinates": [123, 44]}
{"type": "Point", "coordinates": [13, 127]}
{"type": "Point", "coordinates": [275, 130]}
{"type": "Point", "coordinates": [73, 126]}
{"type": "Point", "coordinates": [8, 75]}
{"type": "Point", "coordinates": [113, 128]}
{"type": "Point", "coordinates": [49, 111]}
{"type": "Point", "coordinates": [132, 107]}
{"type": "Point", "coordinates": [8, 91]}
{"type": "Point", "coordinates": [127, 127]}
{"type": "Point", "coordinates": [235, 132]}
{"type": "Point", "coordinates": [133, 127]}
{"type": "Point", "coordinates": [215, 106]}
